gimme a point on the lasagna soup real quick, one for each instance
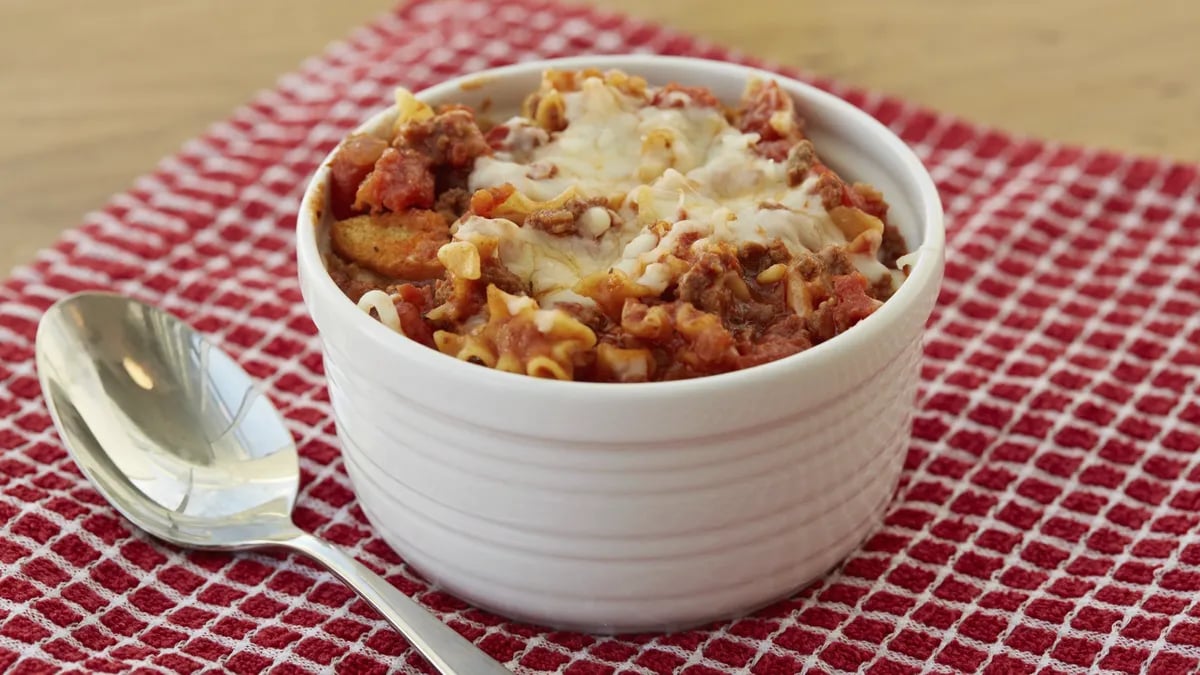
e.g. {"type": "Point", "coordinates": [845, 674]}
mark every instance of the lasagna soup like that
{"type": "Point", "coordinates": [612, 231]}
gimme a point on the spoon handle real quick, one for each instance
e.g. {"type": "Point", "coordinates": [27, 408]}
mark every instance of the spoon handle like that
{"type": "Point", "coordinates": [448, 652]}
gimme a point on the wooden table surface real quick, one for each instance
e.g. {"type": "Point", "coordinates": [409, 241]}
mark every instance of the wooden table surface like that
{"type": "Point", "coordinates": [96, 92]}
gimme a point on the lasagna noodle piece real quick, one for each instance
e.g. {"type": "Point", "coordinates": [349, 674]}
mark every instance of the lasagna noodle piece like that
{"type": "Point", "coordinates": [520, 337]}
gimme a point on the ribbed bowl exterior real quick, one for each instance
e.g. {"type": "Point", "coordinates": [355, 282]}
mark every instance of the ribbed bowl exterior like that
{"type": "Point", "coordinates": [621, 536]}
{"type": "Point", "coordinates": [614, 508]}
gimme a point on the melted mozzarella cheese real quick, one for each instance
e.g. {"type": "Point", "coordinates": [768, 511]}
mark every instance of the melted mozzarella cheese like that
{"type": "Point", "coordinates": [550, 264]}
{"type": "Point", "coordinates": [685, 165]}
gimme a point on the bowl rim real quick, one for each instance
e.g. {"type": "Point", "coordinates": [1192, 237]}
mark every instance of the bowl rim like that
{"type": "Point", "coordinates": [926, 270]}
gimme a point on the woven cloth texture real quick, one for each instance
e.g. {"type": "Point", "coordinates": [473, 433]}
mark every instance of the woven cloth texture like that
{"type": "Point", "coordinates": [1046, 521]}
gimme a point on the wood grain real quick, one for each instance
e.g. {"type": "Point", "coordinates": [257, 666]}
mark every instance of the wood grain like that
{"type": "Point", "coordinates": [95, 93]}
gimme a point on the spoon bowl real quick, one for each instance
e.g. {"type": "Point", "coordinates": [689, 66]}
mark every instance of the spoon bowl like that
{"type": "Point", "coordinates": [180, 440]}
{"type": "Point", "coordinates": [170, 429]}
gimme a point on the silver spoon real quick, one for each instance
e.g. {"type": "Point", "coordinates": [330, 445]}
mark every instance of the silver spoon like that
{"type": "Point", "coordinates": [177, 437]}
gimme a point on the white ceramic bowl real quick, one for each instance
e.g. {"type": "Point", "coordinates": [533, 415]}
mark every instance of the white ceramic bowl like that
{"type": "Point", "coordinates": [628, 507]}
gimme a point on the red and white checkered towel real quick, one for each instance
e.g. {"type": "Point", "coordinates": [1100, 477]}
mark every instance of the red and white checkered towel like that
{"type": "Point", "coordinates": [1048, 517]}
